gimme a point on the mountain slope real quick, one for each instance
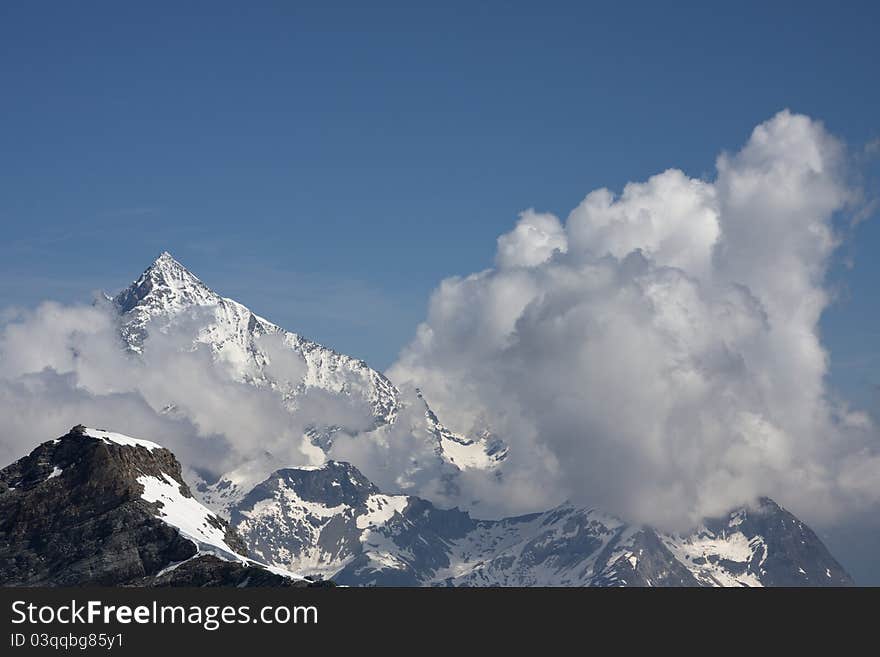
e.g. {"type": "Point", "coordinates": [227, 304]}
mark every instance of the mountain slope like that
{"type": "Point", "coordinates": [765, 544]}
{"type": "Point", "coordinates": [167, 293]}
{"type": "Point", "coordinates": [167, 290]}
{"type": "Point", "coordinates": [99, 508]}
{"type": "Point", "coordinates": [332, 521]}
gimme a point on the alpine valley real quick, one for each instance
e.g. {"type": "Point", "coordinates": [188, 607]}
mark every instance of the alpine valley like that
{"type": "Point", "coordinates": [98, 507]}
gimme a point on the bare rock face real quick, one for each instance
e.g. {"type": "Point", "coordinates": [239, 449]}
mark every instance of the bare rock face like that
{"type": "Point", "coordinates": [74, 513]}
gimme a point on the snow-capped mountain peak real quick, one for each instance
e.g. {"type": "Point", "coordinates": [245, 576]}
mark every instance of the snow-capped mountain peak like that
{"type": "Point", "coordinates": [320, 517]}
{"type": "Point", "coordinates": [166, 285]}
{"type": "Point", "coordinates": [167, 293]}
{"type": "Point", "coordinates": [169, 297]}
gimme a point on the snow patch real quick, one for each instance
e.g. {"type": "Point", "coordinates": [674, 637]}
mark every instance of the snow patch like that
{"type": "Point", "coordinates": [189, 517]}
{"type": "Point", "coordinates": [120, 439]}
{"type": "Point", "coordinates": [466, 455]}
{"type": "Point", "coordinates": [285, 516]}
{"type": "Point", "coordinates": [381, 508]}
{"type": "Point", "coordinates": [703, 551]}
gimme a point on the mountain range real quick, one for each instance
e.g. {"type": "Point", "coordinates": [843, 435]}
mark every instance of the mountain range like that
{"type": "Point", "coordinates": [98, 507]}
{"type": "Point", "coordinates": [95, 507]}
{"type": "Point", "coordinates": [332, 521]}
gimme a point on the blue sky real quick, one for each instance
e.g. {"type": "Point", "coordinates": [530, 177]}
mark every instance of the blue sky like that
{"type": "Point", "coordinates": [328, 164]}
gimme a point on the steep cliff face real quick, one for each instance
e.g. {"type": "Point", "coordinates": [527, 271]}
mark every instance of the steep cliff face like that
{"type": "Point", "coordinates": [99, 508]}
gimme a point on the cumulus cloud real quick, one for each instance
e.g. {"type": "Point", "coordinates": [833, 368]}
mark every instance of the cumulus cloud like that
{"type": "Point", "coordinates": [536, 238]}
{"type": "Point", "coordinates": [658, 354]}
{"type": "Point", "coordinates": [402, 456]}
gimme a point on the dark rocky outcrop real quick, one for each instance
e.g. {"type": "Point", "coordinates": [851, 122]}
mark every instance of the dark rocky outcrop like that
{"type": "Point", "coordinates": [71, 514]}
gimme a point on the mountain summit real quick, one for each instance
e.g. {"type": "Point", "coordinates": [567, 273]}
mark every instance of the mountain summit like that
{"type": "Point", "coordinates": [248, 345]}
{"type": "Point", "coordinates": [95, 507]}
{"type": "Point", "coordinates": [166, 285]}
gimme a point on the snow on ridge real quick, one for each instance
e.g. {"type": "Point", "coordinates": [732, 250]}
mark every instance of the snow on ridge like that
{"type": "Point", "coordinates": [380, 509]}
{"type": "Point", "coordinates": [231, 330]}
{"type": "Point", "coordinates": [188, 516]}
{"type": "Point", "coordinates": [278, 570]}
{"type": "Point", "coordinates": [702, 552]}
{"type": "Point", "coordinates": [466, 455]}
{"type": "Point", "coordinates": [196, 523]}
{"type": "Point", "coordinates": [289, 516]}
{"type": "Point", "coordinates": [381, 550]}
{"type": "Point", "coordinates": [120, 439]}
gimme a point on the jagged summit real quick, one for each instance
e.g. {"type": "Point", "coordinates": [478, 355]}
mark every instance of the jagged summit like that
{"type": "Point", "coordinates": [169, 297]}
{"type": "Point", "coordinates": [170, 270]}
{"type": "Point", "coordinates": [165, 285]}
{"type": "Point", "coordinates": [168, 291]}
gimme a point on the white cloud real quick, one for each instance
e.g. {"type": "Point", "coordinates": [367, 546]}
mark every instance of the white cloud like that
{"type": "Point", "coordinates": [673, 219]}
{"type": "Point", "coordinates": [659, 356]}
{"type": "Point", "coordinates": [533, 241]}
{"type": "Point", "coordinates": [66, 365]}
